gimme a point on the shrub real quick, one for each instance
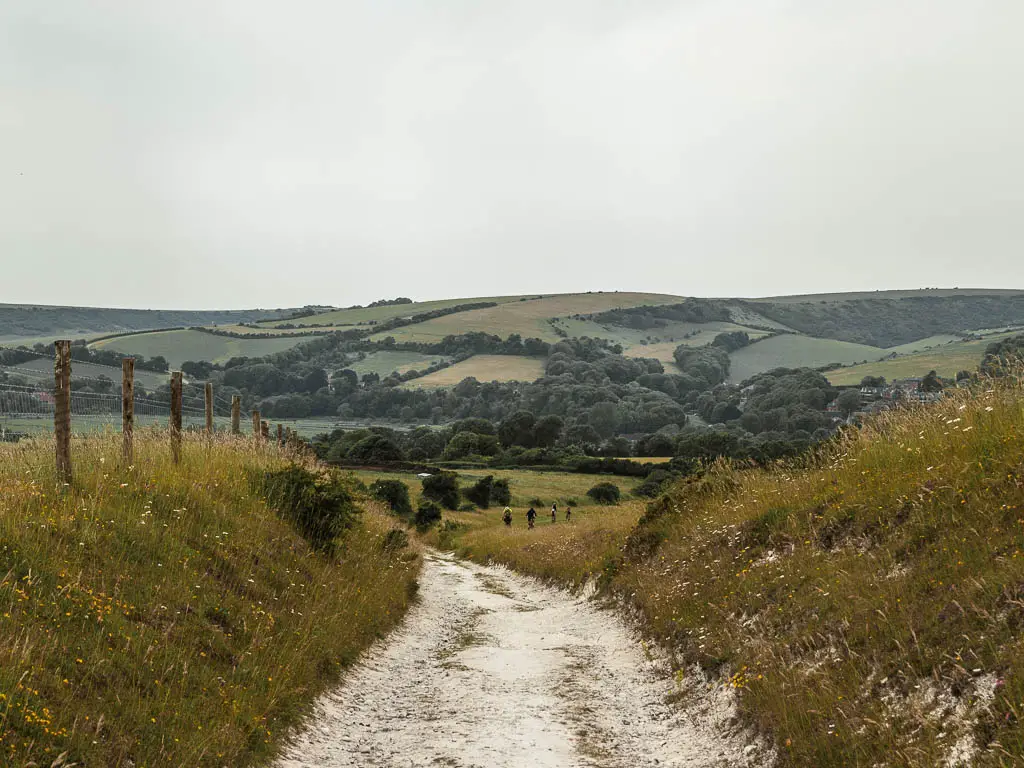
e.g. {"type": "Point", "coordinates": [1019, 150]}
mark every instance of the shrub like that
{"type": "Point", "coordinates": [500, 493]}
{"type": "Point", "coordinates": [394, 540]}
{"type": "Point", "coordinates": [605, 493]}
{"type": "Point", "coordinates": [467, 507]}
{"type": "Point", "coordinates": [427, 515]}
{"type": "Point", "coordinates": [442, 488]}
{"type": "Point", "coordinates": [395, 493]}
{"type": "Point", "coordinates": [535, 502]}
{"type": "Point", "coordinates": [652, 486]}
{"type": "Point", "coordinates": [319, 506]}
{"type": "Point", "coordinates": [480, 492]}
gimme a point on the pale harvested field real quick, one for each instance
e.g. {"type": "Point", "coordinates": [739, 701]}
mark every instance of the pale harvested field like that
{"type": "Point", "coordinates": [483, 368]}
{"type": "Point", "coordinates": [527, 318]}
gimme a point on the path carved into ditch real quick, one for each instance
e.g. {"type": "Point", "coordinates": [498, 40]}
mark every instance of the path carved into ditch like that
{"type": "Point", "coordinates": [492, 669]}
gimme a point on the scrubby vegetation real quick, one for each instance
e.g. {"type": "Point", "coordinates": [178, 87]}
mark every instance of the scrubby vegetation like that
{"type": "Point", "coordinates": [864, 603]}
{"type": "Point", "coordinates": [168, 615]}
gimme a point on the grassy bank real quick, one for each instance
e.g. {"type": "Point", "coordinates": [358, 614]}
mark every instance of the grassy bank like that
{"type": "Point", "coordinates": [161, 615]}
{"type": "Point", "coordinates": [867, 607]}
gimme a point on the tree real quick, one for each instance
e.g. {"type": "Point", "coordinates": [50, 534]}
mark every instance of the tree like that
{"type": "Point", "coordinates": [375, 449]}
{"type": "Point", "coordinates": [605, 493]}
{"type": "Point", "coordinates": [470, 444]}
{"type": "Point", "coordinates": [500, 493]}
{"type": "Point", "coordinates": [442, 488]}
{"type": "Point", "coordinates": [873, 381]}
{"type": "Point", "coordinates": [395, 494]}
{"type": "Point", "coordinates": [345, 381]}
{"type": "Point", "coordinates": [931, 382]}
{"type": "Point", "coordinates": [315, 380]}
{"type": "Point", "coordinates": [604, 418]}
{"type": "Point", "coordinates": [517, 429]}
{"type": "Point", "coordinates": [547, 430]}
{"type": "Point", "coordinates": [849, 400]}
{"type": "Point", "coordinates": [480, 492]}
{"type": "Point", "coordinates": [428, 514]}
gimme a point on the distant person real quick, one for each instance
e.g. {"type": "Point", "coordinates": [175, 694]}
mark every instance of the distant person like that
{"type": "Point", "coordinates": [507, 517]}
{"type": "Point", "coordinates": [531, 515]}
{"type": "Point", "coordinates": [568, 513]}
{"type": "Point", "coordinates": [554, 514]}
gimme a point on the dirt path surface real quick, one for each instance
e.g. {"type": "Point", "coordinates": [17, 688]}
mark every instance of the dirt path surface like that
{"type": "Point", "coordinates": [492, 669]}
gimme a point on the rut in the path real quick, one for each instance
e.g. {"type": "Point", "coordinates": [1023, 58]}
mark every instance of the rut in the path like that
{"type": "Point", "coordinates": [491, 670]}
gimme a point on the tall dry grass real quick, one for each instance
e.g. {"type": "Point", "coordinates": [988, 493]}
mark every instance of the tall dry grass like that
{"type": "Point", "coordinates": [163, 615]}
{"type": "Point", "coordinates": [866, 604]}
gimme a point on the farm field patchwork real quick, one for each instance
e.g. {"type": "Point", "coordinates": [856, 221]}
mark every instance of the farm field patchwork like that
{"type": "Point", "coordinates": [790, 350]}
{"type": "Point", "coordinates": [483, 368]}
{"type": "Point", "coordinates": [383, 363]}
{"type": "Point", "coordinates": [41, 369]}
{"type": "Point", "coordinates": [362, 315]}
{"type": "Point", "coordinates": [179, 346]}
{"type": "Point", "coordinates": [946, 360]}
{"type": "Point", "coordinates": [528, 318]}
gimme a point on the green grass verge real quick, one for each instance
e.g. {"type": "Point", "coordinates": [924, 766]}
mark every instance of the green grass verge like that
{"type": "Point", "coordinates": [866, 606]}
{"type": "Point", "coordinates": [162, 615]}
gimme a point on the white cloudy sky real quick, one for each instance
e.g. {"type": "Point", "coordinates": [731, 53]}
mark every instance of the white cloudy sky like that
{"type": "Point", "coordinates": [229, 154]}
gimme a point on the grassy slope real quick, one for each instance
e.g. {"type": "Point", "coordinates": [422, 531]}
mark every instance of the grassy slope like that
{"type": "Point", "coordinates": [383, 363]}
{"type": "Point", "coordinates": [945, 359]}
{"type": "Point", "coordinates": [162, 615]}
{"type": "Point", "coordinates": [23, 320]}
{"type": "Point", "coordinates": [793, 351]}
{"type": "Point", "coordinates": [179, 346]}
{"type": "Point", "coordinates": [379, 314]}
{"type": "Point", "coordinates": [868, 608]}
{"type": "Point", "coordinates": [42, 369]}
{"type": "Point", "coordinates": [483, 368]}
{"type": "Point", "coordinates": [527, 318]}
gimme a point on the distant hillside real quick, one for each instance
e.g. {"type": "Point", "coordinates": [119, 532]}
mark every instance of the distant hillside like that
{"type": "Point", "coordinates": [887, 321]}
{"type": "Point", "coordinates": [23, 320]}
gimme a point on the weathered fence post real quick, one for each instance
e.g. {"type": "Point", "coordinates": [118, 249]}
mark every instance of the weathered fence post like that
{"type": "Point", "coordinates": [209, 409]}
{"type": "Point", "coordinates": [236, 414]}
{"type": "Point", "coordinates": [280, 434]}
{"type": "Point", "coordinates": [128, 409]}
{"type": "Point", "coordinates": [265, 430]}
{"type": "Point", "coordinates": [176, 416]}
{"type": "Point", "coordinates": [62, 408]}
{"type": "Point", "coordinates": [257, 433]}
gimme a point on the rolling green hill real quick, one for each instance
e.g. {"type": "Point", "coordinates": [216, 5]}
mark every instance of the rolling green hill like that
{"type": "Point", "coordinates": [790, 350]}
{"type": "Point", "coordinates": [180, 346]}
{"type": "Point", "coordinates": [24, 323]}
{"type": "Point", "coordinates": [528, 318]}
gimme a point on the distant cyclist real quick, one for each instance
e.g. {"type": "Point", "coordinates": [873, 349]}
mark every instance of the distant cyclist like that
{"type": "Point", "coordinates": [531, 515]}
{"type": "Point", "coordinates": [507, 517]}
{"type": "Point", "coordinates": [568, 513]}
{"type": "Point", "coordinates": [554, 514]}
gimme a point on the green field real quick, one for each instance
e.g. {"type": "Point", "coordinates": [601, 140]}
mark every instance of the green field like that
{"type": "Point", "coordinates": [548, 487]}
{"type": "Point", "coordinates": [179, 346]}
{"type": "Point", "coordinates": [946, 360]}
{"type": "Point", "coordinates": [41, 369]}
{"type": "Point", "coordinates": [362, 315]}
{"type": "Point", "coordinates": [483, 368]}
{"type": "Point", "coordinates": [383, 363]}
{"type": "Point", "coordinates": [793, 351]}
{"type": "Point", "coordinates": [527, 318]}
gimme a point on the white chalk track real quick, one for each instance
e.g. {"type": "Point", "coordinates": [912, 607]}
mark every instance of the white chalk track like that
{"type": "Point", "coordinates": [492, 669]}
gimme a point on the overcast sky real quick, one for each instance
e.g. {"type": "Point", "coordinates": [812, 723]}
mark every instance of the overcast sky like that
{"type": "Point", "coordinates": [231, 154]}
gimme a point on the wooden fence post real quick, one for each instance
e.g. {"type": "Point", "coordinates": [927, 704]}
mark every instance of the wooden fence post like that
{"type": "Point", "coordinates": [128, 409]}
{"type": "Point", "coordinates": [280, 434]}
{"type": "Point", "coordinates": [62, 409]}
{"type": "Point", "coordinates": [236, 414]}
{"type": "Point", "coordinates": [209, 409]}
{"type": "Point", "coordinates": [176, 416]}
{"type": "Point", "coordinates": [257, 433]}
{"type": "Point", "coordinates": [265, 430]}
